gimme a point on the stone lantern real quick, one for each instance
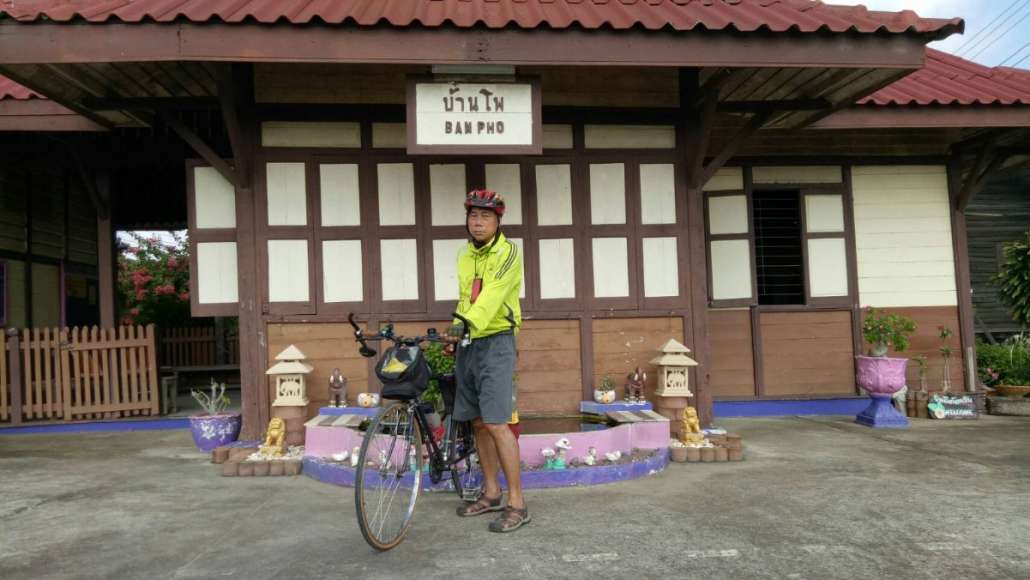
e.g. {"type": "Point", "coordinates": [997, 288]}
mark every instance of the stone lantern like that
{"type": "Point", "coordinates": [291, 398]}
{"type": "Point", "coordinates": [673, 393]}
{"type": "Point", "coordinates": [289, 375]}
{"type": "Point", "coordinates": [673, 364]}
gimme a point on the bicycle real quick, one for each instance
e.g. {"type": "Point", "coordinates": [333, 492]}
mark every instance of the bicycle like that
{"type": "Point", "coordinates": [398, 442]}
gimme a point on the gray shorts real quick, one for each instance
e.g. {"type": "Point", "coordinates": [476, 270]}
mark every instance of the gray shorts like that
{"type": "Point", "coordinates": [484, 371]}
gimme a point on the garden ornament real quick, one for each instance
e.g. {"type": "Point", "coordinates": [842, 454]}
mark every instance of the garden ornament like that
{"type": "Point", "coordinates": [337, 389]}
{"type": "Point", "coordinates": [691, 427]}
{"type": "Point", "coordinates": [634, 386]}
{"type": "Point", "coordinates": [591, 458]}
{"type": "Point", "coordinates": [613, 456]}
{"type": "Point", "coordinates": [275, 439]}
{"type": "Point", "coordinates": [548, 454]}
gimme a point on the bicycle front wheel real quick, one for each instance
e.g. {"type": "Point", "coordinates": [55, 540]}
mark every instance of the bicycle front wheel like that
{"type": "Point", "coordinates": [388, 476]}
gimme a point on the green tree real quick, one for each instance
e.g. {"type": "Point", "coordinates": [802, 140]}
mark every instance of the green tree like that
{"type": "Point", "coordinates": [153, 281]}
{"type": "Point", "coordinates": [1013, 279]}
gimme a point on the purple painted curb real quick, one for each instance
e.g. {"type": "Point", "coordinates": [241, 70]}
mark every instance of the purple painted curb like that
{"type": "Point", "coordinates": [336, 474]}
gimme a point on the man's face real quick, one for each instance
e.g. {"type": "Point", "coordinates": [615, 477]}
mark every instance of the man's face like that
{"type": "Point", "coordinates": [482, 224]}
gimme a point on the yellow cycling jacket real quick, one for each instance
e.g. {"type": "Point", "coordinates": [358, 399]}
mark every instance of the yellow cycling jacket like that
{"type": "Point", "coordinates": [497, 307]}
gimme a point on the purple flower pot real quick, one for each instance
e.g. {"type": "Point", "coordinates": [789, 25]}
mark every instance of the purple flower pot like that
{"type": "Point", "coordinates": [210, 431]}
{"type": "Point", "coordinates": [880, 375]}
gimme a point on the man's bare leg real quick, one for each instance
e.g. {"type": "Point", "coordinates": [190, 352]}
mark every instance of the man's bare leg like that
{"type": "Point", "coordinates": [507, 449]}
{"type": "Point", "coordinates": [488, 459]}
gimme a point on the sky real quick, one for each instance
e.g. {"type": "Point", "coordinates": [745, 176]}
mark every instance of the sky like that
{"type": "Point", "coordinates": [1003, 27]}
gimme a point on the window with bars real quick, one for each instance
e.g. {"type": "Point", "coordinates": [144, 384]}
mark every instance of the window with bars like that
{"type": "Point", "coordinates": [779, 260]}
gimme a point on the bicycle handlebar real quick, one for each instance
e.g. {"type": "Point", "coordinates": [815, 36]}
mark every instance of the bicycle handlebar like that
{"type": "Point", "coordinates": [386, 333]}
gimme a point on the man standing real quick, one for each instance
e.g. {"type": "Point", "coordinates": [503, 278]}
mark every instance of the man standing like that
{"type": "Point", "coordinates": [489, 281]}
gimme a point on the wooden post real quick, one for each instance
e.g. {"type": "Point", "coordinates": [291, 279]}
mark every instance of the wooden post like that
{"type": "Point", "coordinates": [220, 342]}
{"type": "Point", "coordinates": [14, 358]}
{"type": "Point", "coordinates": [105, 252]}
{"type": "Point", "coordinates": [255, 403]}
{"type": "Point", "coordinates": [963, 283]}
{"type": "Point", "coordinates": [696, 129]}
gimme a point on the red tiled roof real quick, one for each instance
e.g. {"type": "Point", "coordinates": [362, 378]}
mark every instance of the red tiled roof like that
{"type": "Point", "coordinates": [950, 80]}
{"type": "Point", "coordinates": [682, 15]}
{"type": "Point", "coordinates": [12, 90]}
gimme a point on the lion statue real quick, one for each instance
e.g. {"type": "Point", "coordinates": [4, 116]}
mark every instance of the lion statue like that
{"type": "Point", "coordinates": [275, 440]}
{"type": "Point", "coordinates": [691, 427]}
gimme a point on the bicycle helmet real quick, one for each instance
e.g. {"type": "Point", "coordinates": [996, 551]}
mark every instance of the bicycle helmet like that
{"type": "Point", "coordinates": [486, 199]}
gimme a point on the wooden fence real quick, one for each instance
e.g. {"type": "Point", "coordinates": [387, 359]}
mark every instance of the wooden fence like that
{"type": "Point", "coordinates": [197, 346]}
{"type": "Point", "coordinates": [78, 373]}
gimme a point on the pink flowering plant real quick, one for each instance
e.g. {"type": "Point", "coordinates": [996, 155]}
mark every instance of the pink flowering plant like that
{"type": "Point", "coordinates": [153, 281]}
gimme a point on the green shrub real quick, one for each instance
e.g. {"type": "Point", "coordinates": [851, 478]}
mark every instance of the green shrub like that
{"type": "Point", "coordinates": [1004, 364]}
{"type": "Point", "coordinates": [1013, 279]}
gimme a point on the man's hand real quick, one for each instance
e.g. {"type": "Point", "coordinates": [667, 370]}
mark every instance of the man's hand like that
{"type": "Point", "coordinates": [455, 333]}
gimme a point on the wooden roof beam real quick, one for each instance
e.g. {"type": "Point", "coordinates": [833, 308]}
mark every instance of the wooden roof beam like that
{"type": "Point", "coordinates": [202, 148]}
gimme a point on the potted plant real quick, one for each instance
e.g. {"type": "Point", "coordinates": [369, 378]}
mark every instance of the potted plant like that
{"type": "Point", "coordinates": [214, 427]}
{"type": "Point", "coordinates": [605, 393]}
{"type": "Point", "coordinates": [439, 364]}
{"type": "Point", "coordinates": [920, 397]}
{"type": "Point", "coordinates": [879, 375]}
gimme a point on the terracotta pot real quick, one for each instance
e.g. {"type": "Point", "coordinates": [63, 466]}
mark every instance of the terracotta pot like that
{"type": "Point", "coordinates": [910, 405]}
{"type": "Point", "coordinates": [693, 454]}
{"type": "Point", "coordinates": [246, 468]}
{"type": "Point", "coordinates": [276, 467]}
{"type": "Point", "coordinates": [707, 454]}
{"type": "Point", "coordinates": [922, 399]}
{"type": "Point", "coordinates": [733, 441]}
{"type": "Point", "coordinates": [291, 467]}
{"type": "Point", "coordinates": [220, 455]}
{"type": "Point", "coordinates": [230, 468]}
{"type": "Point", "coordinates": [1012, 390]}
{"type": "Point", "coordinates": [260, 468]}
{"type": "Point", "coordinates": [735, 454]}
{"type": "Point", "coordinates": [880, 375]}
{"type": "Point", "coordinates": [678, 454]}
{"type": "Point", "coordinates": [721, 454]}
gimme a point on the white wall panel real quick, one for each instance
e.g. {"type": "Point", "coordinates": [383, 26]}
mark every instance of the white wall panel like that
{"type": "Point", "coordinates": [607, 193]}
{"type": "Point", "coordinates": [342, 277]}
{"type": "Point", "coordinates": [217, 273]}
{"type": "Point", "coordinates": [557, 268]}
{"type": "Point", "coordinates": [286, 189]}
{"type": "Point", "coordinates": [288, 271]}
{"type": "Point", "coordinates": [340, 194]}
{"type": "Point", "coordinates": [661, 267]}
{"type": "Point", "coordinates": [214, 199]}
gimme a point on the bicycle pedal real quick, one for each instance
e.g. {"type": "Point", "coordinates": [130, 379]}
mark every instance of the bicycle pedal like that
{"type": "Point", "coordinates": [471, 494]}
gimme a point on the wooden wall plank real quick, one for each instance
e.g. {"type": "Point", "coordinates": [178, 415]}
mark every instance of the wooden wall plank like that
{"type": "Point", "coordinates": [732, 366]}
{"type": "Point", "coordinates": [622, 344]}
{"type": "Point", "coordinates": [807, 353]}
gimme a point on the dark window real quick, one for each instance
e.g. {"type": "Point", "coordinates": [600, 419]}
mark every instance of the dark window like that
{"type": "Point", "coordinates": [778, 256]}
{"type": "Point", "coordinates": [3, 298]}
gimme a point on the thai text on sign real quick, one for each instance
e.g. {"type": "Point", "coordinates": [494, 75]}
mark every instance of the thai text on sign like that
{"type": "Point", "coordinates": [474, 114]}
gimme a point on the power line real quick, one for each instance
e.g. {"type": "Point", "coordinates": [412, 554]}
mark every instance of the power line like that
{"type": "Point", "coordinates": [986, 27]}
{"type": "Point", "coordinates": [1013, 55]}
{"type": "Point", "coordinates": [994, 29]}
{"type": "Point", "coordinates": [1020, 61]}
{"type": "Point", "coordinates": [1000, 36]}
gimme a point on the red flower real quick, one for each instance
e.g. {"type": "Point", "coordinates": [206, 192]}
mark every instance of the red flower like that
{"type": "Point", "coordinates": [134, 311]}
{"type": "Point", "coordinates": [184, 296]}
{"type": "Point", "coordinates": [173, 262]}
{"type": "Point", "coordinates": [140, 294]}
{"type": "Point", "coordinates": [164, 290]}
{"type": "Point", "coordinates": [127, 320]}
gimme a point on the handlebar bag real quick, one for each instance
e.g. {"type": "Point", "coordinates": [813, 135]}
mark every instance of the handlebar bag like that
{"type": "Point", "coordinates": [404, 372]}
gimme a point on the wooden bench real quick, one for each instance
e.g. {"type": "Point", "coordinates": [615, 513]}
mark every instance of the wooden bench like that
{"type": "Point", "coordinates": [173, 376]}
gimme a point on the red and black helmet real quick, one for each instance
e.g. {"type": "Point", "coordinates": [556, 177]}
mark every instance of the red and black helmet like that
{"type": "Point", "coordinates": [486, 199]}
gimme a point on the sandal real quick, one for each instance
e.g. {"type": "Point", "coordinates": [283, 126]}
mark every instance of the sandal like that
{"type": "Point", "coordinates": [511, 520]}
{"type": "Point", "coordinates": [481, 506]}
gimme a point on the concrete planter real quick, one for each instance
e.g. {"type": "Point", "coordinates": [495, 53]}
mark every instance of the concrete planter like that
{"type": "Point", "coordinates": [260, 468]}
{"type": "Point", "coordinates": [707, 454]}
{"type": "Point", "coordinates": [678, 454]}
{"type": "Point", "coordinates": [693, 454]}
{"type": "Point", "coordinates": [735, 454]}
{"type": "Point", "coordinates": [246, 469]}
{"type": "Point", "coordinates": [292, 467]}
{"type": "Point", "coordinates": [276, 467]}
{"type": "Point", "coordinates": [721, 454]}
{"type": "Point", "coordinates": [881, 377]}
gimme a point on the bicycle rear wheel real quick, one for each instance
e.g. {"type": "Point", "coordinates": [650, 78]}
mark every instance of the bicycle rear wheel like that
{"type": "Point", "coordinates": [388, 477]}
{"type": "Point", "coordinates": [465, 473]}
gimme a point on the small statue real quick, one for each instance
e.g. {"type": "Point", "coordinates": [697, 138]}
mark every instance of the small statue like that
{"type": "Point", "coordinates": [548, 454]}
{"type": "Point", "coordinates": [275, 439]}
{"type": "Point", "coordinates": [635, 386]}
{"type": "Point", "coordinates": [337, 389]}
{"type": "Point", "coordinates": [591, 458]}
{"type": "Point", "coordinates": [691, 427]}
{"type": "Point", "coordinates": [614, 456]}
{"type": "Point", "coordinates": [561, 447]}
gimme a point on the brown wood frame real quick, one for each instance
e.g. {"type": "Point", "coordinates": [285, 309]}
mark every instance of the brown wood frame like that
{"type": "Point", "coordinates": [956, 116]}
{"type": "Point", "coordinates": [535, 148]}
{"type": "Point", "coordinates": [198, 236]}
{"type": "Point", "coordinates": [749, 235]}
